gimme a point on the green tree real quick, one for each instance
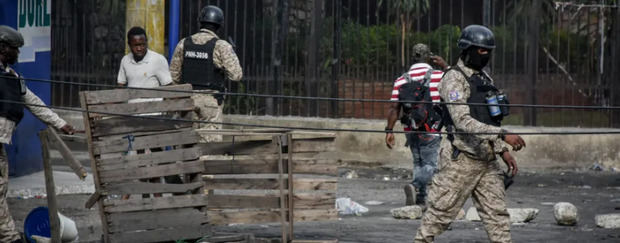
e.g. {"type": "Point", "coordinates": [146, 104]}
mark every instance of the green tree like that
{"type": "Point", "coordinates": [408, 10]}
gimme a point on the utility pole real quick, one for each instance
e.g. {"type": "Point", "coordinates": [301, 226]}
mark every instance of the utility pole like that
{"type": "Point", "coordinates": [529, 115]}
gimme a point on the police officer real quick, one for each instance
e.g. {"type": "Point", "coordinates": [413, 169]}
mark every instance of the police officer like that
{"type": "Point", "coordinates": [467, 162]}
{"type": "Point", "coordinates": [206, 62]}
{"type": "Point", "coordinates": [13, 89]}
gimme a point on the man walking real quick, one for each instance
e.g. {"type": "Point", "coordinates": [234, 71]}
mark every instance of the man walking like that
{"type": "Point", "coordinates": [14, 90]}
{"type": "Point", "coordinates": [468, 162]}
{"type": "Point", "coordinates": [206, 62]}
{"type": "Point", "coordinates": [424, 147]}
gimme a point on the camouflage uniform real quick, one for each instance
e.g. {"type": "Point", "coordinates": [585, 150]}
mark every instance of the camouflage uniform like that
{"type": "Point", "coordinates": [7, 127]}
{"type": "Point", "coordinates": [224, 58]}
{"type": "Point", "coordinates": [474, 172]}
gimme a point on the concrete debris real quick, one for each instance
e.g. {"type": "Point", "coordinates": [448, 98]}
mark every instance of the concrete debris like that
{"type": "Point", "coordinates": [407, 212]}
{"type": "Point", "coordinates": [373, 203]}
{"type": "Point", "coordinates": [387, 178]}
{"type": "Point", "coordinates": [517, 215]}
{"type": "Point", "coordinates": [565, 213]}
{"type": "Point", "coordinates": [547, 203]}
{"type": "Point", "coordinates": [472, 214]}
{"type": "Point", "coordinates": [608, 221]}
{"type": "Point", "coordinates": [522, 215]}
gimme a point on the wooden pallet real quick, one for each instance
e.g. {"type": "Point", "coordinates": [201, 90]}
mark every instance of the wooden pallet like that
{"type": "Point", "coordinates": [179, 213]}
{"type": "Point", "coordinates": [262, 169]}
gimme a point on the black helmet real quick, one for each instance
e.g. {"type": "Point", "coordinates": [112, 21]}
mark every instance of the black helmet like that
{"type": "Point", "coordinates": [11, 36]}
{"type": "Point", "coordinates": [476, 35]}
{"type": "Point", "coordinates": [211, 14]}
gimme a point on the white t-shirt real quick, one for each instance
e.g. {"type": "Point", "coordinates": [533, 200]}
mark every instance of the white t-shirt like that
{"type": "Point", "coordinates": [150, 72]}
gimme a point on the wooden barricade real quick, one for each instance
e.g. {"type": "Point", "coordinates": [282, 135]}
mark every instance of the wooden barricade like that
{"type": "Point", "coordinates": [122, 165]}
{"type": "Point", "coordinates": [249, 178]}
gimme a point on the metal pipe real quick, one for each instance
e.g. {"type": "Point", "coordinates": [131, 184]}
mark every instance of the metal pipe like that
{"type": "Point", "coordinates": [173, 27]}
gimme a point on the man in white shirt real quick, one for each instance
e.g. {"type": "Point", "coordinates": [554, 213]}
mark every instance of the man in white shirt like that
{"type": "Point", "coordinates": [142, 68]}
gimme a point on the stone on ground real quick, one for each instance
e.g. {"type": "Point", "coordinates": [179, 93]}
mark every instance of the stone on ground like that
{"type": "Point", "coordinates": [472, 214]}
{"type": "Point", "coordinates": [407, 212]}
{"type": "Point", "coordinates": [461, 215]}
{"type": "Point", "coordinates": [522, 215]}
{"type": "Point", "coordinates": [565, 213]}
{"type": "Point", "coordinates": [608, 221]}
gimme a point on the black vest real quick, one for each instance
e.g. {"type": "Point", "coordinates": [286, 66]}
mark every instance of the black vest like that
{"type": "Point", "coordinates": [12, 90]}
{"type": "Point", "coordinates": [198, 67]}
{"type": "Point", "coordinates": [479, 86]}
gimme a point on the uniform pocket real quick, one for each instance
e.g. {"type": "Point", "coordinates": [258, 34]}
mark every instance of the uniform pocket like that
{"type": "Point", "coordinates": [443, 197]}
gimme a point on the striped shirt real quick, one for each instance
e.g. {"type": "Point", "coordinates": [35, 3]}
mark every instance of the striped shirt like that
{"type": "Point", "coordinates": [417, 73]}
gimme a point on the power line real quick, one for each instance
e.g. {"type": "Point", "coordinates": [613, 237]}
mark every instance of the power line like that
{"type": "Point", "coordinates": [325, 98]}
{"type": "Point", "coordinates": [308, 128]}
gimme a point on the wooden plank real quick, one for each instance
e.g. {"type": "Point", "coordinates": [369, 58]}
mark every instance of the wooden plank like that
{"type": "Point", "coordinates": [136, 187]}
{"type": "Point", "coordinates": [75, 165]}
{"type": "Point", "coordinates": [271, 201]}
{"type": "Point", "coordinates": [302, 184]}
{"type": "Point", "coordinates": [155, 203]}
{"type": "Point", "coordinates": [93, 164]}
{"type": "Point", "coordinates": [150, 220]}
{"type": "Point", "coordinates": [279, 141]}
{"type": "Point", "coordinates": [150, 172]}
{"type": "Point", "coordinates": [151, 159]}
{"type": "Point", "coordinates": [314, 145]}
{"type": "Point", "coordinates": [314, 241]}
{"type": "Point", "coordinates": [50, 187]}
{"type": "Point", "coordinates": [291, 187]}
{"type": "Point", "coordinates": [94, 198]}
{"type": "Point", "coordinates": [123, 95]}
{"type": "Point", "coordinates": [123, 125]}
{"type": "Point", "coordinates": [186, 104]}
{"type": "Point", "coordinates": [224, 217]}
{"type": "Point", "coordinates": [159, 235]}
{"type": "Point", "coordinates": [73, 138]}
{"type": "Point", "coordinates": [242, 201]}
{"type": "Point", "coordinates": [270, 166]}
{"type": "Point", "coordinates": [148, 141]}
{"type": "Point", "coordinates": [239, 148]}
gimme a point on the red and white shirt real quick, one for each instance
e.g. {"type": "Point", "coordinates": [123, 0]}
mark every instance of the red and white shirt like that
{"type": "Point", "coordinates": [417, 73]}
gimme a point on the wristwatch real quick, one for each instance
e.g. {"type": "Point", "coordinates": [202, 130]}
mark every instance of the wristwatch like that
{"type": "Point", "coordinates": [388, 130]}
{"type": "Point", "coordinates": [502, 134]}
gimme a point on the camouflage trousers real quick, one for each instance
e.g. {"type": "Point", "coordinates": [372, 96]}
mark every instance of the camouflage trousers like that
{"type": "Point", "coordinates": [207, 109]}
{"type": "Point", "coordinates": [456, 181]}
{"type": "Point", "coordinates": [7, 225]}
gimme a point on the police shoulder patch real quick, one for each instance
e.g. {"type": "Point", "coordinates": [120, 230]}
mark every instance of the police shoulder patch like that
{"type": "Point", "coordinates": [454, 95]}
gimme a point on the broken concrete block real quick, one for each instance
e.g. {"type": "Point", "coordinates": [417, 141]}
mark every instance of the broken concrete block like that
{"type": "Point", "coordinates": [522, 215]}
{"type": "Point", "coordinates": [608, 221]}
{"type": "Point", "coordinates": [565, 213]}
{"type": "Point", "coordinates": [407, 212]}
{"type": "Point", "coordinates": [472, 214]}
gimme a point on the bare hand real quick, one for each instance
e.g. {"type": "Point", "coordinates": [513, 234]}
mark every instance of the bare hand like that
{"type": "Point", "coordinates": [511, 163]}
{"type": "Point", "coordinates": [389, 140]}
{"type": "Point", "coordinates": [68, 129]}
{"type": "Point", "coordinates": [439, 61]}
{"type": "Point", "coordinates": [515, 141]}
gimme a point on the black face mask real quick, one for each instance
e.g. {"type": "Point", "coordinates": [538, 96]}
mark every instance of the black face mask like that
{"type": "Point", "coordinates": [475, 60]}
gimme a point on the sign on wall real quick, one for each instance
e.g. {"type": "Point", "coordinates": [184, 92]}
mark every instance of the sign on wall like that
{"type": "Point", "coordinates": [34, 22]}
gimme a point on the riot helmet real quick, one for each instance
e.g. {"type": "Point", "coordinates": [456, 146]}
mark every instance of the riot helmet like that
{"type": "Point", "coordinates": [476, 35]}
{"type": "Point", "coordinates": [477, 42]}
{"type": "Point", "coordinates": [211, 14]}
{"type": "Point", "coordinates": [11, 37]}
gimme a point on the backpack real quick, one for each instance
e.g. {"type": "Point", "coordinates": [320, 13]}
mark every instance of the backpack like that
{"type": "Point", "coordinates": [419, 116]}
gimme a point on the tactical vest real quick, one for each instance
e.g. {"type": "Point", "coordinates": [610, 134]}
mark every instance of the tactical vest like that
{"type": "Point", "coordinates": [198, 67]}
{"type": "Point", "coordinates": [12, 90]}
{"type": "Point", "coordinates": [479, 86]}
